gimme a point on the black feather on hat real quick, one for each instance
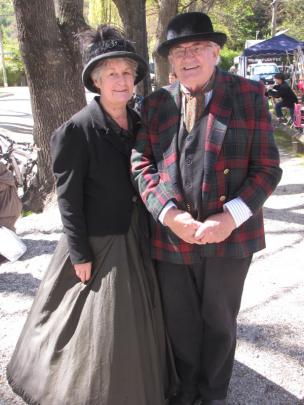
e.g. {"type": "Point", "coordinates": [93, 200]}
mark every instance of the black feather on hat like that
{"type": "Point", "coordinates": [105, 43]}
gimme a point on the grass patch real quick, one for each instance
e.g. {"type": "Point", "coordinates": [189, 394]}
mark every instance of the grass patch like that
{"type": "Point", "coordinates": [26, 213]}
{"type": "Point", "coordinates": [283, 140]}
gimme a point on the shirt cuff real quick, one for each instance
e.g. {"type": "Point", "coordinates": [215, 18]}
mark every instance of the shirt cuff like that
{"type": "Point", "coordinates": [167, 207]}
{"type": "Point", "coordinates": [239, 211]}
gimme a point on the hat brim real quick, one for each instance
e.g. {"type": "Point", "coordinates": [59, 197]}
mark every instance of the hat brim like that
{"type": "Point", "coordinates": [218, 37]}
{"type": "Point", "coordinates": [141, 71]}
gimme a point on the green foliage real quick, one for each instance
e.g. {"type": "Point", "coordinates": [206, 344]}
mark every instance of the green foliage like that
{"type": "Point", "coordinates": [292, 18]}
{"type": "Point", "coordinates": [14, 76]}
{"type": "Point", "coordinates": [227, 56]}
{"type": "Point", "coordinates": [12, 59]}
{"type": "Point", "coordinates": [242, 20]}
{"type": "Point", "coordinates": [103, 12]}
{"type": "Point", "coordinates": [239, 19]}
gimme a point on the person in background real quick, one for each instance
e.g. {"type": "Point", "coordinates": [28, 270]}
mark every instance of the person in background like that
{"type": "Point", "coordinates": [95, 334]}
{"type": "Point", "coordinates": [233, 69]}
{"type": "Point", "coordinates": [204, 163]}
{"type": "Point", "coordinates": [135, 101]}
{"type": "Point", "coordinates": [10, 203]}
{"type": "Point", "coordinates": [172, 77]}
{"type": "Point", "coordinates": [300, 86]}
{"type": "Point", "coordinates": [283, 91]}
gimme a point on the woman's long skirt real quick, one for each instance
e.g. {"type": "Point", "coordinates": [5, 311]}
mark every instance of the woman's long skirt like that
{"type": "Point", "coordinates": [99, 343]}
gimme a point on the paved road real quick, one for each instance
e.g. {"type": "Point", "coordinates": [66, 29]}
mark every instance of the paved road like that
{"type": "Point", "coordinates": [16, 118]}
{"type": "Point", "coordinates": [15, 112]}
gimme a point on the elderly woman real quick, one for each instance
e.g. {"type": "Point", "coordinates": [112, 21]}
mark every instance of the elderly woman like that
{"type": "Point", "coordinates": [95, 335]}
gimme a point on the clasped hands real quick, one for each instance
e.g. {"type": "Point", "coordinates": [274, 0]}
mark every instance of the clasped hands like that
{"type": "Point", "coordinates": [214, 229]}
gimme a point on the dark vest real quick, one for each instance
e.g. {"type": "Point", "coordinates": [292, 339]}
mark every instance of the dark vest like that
{"type": "Point", "coordinates": [191, 150]}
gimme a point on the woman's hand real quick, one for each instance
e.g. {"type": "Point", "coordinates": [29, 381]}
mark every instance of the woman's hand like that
{"type": "Point", "coordinates": [83, 271]}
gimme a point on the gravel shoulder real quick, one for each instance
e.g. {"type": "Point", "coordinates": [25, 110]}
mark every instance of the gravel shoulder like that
{"type": "Point", "coordinates": [270, 356]}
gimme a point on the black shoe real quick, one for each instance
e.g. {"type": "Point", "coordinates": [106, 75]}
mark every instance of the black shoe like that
{"type": "Point", "coordinates": [214, 402]}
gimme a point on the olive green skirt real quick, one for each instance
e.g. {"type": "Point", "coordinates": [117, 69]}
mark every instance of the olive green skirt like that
{"type": "Point", "coordinates": [100, 343]}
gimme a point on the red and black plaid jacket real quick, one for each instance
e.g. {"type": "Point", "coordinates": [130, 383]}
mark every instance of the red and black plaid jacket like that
{"type": "Point", "coordinates": [241, 160]}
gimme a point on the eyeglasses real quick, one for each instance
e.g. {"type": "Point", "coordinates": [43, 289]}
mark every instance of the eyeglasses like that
{"type": "Point", "coordinates": [194, 50]}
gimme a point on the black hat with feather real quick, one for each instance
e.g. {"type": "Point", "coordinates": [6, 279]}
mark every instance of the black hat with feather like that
{"type": "Point", "coordinates": [105, 43]}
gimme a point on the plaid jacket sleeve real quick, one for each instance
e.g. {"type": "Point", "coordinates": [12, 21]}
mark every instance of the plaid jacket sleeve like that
{"type": "Point", "coordinates": [146, 159]}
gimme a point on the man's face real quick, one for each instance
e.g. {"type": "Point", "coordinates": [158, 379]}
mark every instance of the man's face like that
{"type": "Point", "coordinates": [278, 81]}
{"type": "Point", "coordinates": [194, 62]}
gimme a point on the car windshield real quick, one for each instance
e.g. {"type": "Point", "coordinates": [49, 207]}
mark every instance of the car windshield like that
{"type": "Point", "coordinates": [265, 69]}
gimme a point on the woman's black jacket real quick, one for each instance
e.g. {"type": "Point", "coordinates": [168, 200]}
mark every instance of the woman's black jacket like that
{"type": "Point", "coordinates": [92, 169]}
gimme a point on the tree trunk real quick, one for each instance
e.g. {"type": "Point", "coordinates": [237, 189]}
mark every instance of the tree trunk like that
{"type": "Point", "coordinates": [203, 6]}
{"type": "Point", "coordinates": [52, 63]}
{"type": "Point", "coordinates": [133, 16]}
{"type": "Point", "coordinates": [167, 10]}
{"type": "Point", "coordinates": [274, 5]}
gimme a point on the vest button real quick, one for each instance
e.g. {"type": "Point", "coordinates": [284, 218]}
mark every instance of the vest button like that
{"type": "Point", "coordinates": [226, 171]}
{"type": "Point", "coordinates": [222, 198]}
{"type": "Point", "coordinates": [134, 198]}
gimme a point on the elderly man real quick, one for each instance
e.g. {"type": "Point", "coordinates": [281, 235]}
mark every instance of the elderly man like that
{"type": "Point", "coordinates": [204, 162]}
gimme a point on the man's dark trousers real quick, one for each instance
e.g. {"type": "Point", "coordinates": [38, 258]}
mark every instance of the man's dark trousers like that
{"type": "Point", "coordinates": [201, 303]}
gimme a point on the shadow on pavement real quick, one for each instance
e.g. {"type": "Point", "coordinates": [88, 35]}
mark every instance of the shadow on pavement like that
{"type": "Point", "coordinates": [285, 214]}
{"type": "Point", "coordinates": [248, 387]}
{"type": "Point", "coordinates": [23, 283]}
{"type": "Point", "coordinates": [14, 99]}
{"type": "Point", "coordinates": [19, 128]}
{"type": "Point", "coordinates": [47, 232]}
{"type": "Point", "coordinates": [6, 95]}
{"type": "Point", "coordinates": [286, 189]}
{"type": "Point", "coordinates": [38, 247]}
{"type": "Point", "coordinates": [273, 338]}
{"type": "Point", "coordinates": [15, 114]}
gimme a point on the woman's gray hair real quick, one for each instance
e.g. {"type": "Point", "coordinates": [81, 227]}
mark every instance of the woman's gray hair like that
{"type": "Point", "coordinates": [96, 71]}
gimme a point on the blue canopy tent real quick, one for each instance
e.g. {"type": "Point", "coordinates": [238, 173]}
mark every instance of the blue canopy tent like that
{"type": "Point", "coordinates": [279, 45]}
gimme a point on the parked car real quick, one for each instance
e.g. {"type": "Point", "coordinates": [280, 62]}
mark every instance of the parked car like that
{"type": "Point", "coordinates": [264, 72]}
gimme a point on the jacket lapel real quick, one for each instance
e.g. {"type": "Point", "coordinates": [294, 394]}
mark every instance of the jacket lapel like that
{"type": "Point", "coordinates": [100, 124]}
{"type": "Point", "coordinates": [169, 121]}
{"type": "Point", "coordinates": [218, 119]}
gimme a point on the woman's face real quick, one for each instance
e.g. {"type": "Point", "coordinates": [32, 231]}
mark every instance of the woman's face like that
{"type": "Point", "coordinates": [116, 82]}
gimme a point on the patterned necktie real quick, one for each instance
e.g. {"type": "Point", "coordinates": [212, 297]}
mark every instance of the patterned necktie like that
{"type": "Point", "coordinates": [195, 104]}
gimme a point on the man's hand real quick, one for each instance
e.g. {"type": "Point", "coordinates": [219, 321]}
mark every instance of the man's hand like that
{"type": "Point", "coordinates": [215, 228]}
{"type": "Point", "coordinates": [83, 271]}
{"type": "Point", "coordinates": [182, 224]}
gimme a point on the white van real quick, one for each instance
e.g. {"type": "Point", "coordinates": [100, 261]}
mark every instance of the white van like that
{"type": "Point", "coordinates": [263, 71]}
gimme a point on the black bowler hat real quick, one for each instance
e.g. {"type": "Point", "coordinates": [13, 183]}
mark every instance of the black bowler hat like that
{"type": "Point", "coordinates": [107, 42]}
{"type": "Point", "coordinates": [189, 27]}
